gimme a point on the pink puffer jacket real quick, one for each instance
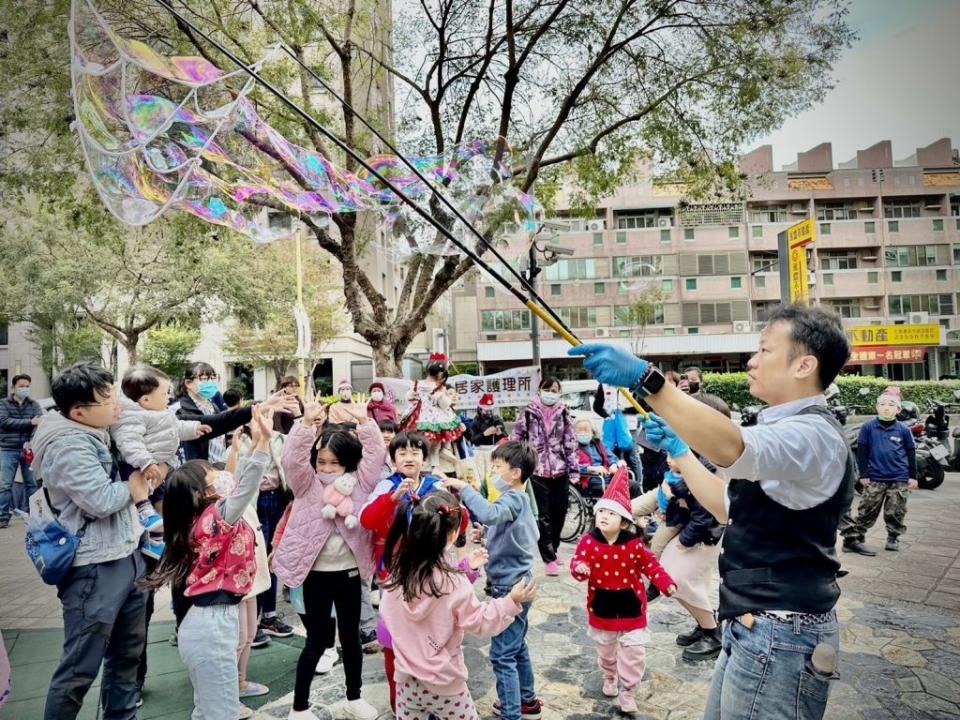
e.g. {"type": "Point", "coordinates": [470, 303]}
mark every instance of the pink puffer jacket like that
{"type": "Point", "coordinates": [307, 530]}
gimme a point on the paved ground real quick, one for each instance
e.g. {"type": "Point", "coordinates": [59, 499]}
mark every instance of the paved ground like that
{"type": "Point", "coordinates": [900, 642]}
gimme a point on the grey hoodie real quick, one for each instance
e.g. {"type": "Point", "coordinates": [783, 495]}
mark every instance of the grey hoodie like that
{"type": "Point", "coordinates": [74, 461]}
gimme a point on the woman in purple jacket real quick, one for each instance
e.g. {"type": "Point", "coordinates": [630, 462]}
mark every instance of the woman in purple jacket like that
{"type": "Point", "coordinates": [547, 425]}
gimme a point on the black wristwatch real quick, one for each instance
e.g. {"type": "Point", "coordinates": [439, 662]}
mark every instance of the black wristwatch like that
{"type": "Point", "coordinates": [650, 384]}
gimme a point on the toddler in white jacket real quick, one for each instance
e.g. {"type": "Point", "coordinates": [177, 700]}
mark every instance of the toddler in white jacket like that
{"type": "Point", "coordinates": [147, 436]}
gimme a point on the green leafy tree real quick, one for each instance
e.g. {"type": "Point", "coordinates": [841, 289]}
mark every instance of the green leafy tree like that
{"type": "Point", "coordinates": [575, 91]}
{"type": "Point", "coordinates": [640, 313]}
{"type": "Point", "coordinates": [168, 347]}
{"type": "Point", "coordinates": [268, 338]}
{"type": "Point", "coordinates": [125, 281]}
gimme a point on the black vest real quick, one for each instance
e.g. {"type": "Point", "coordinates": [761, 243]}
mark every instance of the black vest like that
{"type": "Point", "coordinates": [775, 558]}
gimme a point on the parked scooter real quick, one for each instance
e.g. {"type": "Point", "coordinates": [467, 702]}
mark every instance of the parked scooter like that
{"type": "Point", "coordinates": [953, 462]}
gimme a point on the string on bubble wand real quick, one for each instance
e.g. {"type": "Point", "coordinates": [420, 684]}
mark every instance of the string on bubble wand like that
{"type": "Point", "coordinates": [534, 302]}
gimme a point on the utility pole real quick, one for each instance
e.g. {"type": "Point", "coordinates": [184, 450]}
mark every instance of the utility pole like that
{"type": "Point", "coordinates": [532, 271]}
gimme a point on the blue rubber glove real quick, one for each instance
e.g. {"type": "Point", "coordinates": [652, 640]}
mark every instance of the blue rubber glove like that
{"type": "Point", "coordinates": [662, 436]}
{"type": "Point", "coordinates": [611, 365]}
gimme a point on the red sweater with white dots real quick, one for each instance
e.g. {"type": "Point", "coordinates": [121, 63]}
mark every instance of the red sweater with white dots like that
{"type": "Point", "coordinates": [616, 597]}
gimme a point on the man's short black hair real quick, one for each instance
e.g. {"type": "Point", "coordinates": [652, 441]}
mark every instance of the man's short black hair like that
{"type": "Point", "coordinates": [518, 455]}
{"type": "Point", "coordinates": [693, 368]}
{"type": "Point", "coordinates": [232, 397]}
{"type": "Point", "coordinates": [817, 332]}
{"type": "Point", "coordinates": [18, 378]}
{"type": "Point", "coordinates": [141, 380]}
{"type": "Point", "coordinates": [408, 439]}
{"type": "Point", "coordinates": [80, 384]}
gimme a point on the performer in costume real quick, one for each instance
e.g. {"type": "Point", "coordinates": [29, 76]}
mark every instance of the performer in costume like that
{"type": "Point", "coordinates": [430, 413]}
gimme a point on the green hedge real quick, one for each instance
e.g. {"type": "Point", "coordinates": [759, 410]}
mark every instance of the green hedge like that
{"type": "Point", "coordinates": [732, 387]}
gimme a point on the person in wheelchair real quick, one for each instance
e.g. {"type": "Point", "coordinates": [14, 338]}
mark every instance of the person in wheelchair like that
{"type": "Point", "coordinates": [597, 463]}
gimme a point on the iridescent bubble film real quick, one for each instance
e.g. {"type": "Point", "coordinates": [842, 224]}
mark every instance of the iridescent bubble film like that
{"type": "Point", "coordinates": [162, 133]}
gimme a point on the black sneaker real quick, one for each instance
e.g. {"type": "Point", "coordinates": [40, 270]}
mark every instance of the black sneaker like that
{"type": "Point", "coordinates": [893, 543]}
{"type": "Point", "coordinates": [260, 639]}
{"type": "Point", "coordinates": [275, 627]}
{"type": "Point", "coordinates": [706, 648]}
{"type": "Point", "coordinates": [856, 546]}
{"type": "Point", "coordinates": [4, 524]}
{"type": "Point", "coordinates": [368, 639]}
{"type": "Point", "coordinates": [688, 639]}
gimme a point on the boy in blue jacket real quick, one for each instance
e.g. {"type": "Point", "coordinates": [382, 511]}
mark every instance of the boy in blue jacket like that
{"type": "Point", "coordinates": [511, 544]}
{"type": "Point", "coordinates": [887, 459]}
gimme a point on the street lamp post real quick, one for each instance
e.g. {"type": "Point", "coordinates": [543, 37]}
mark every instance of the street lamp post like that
{"type": "Point", "coordinates": [550, 253]}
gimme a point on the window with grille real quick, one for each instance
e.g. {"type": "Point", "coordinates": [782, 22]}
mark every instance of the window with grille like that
{"type": "Point", "coordinates": [838, 261]}
{"type": "Point", "coordinates": [579, 317]}
{"type": "Point", "coordinates": [647, 219]}
{"type": "Point", "coordinates": [901, 208]}
{"type": "Point", "coordinates": [711, 214]}
{"type": "Point", "coordinates": [764, 262]}
{"type": "Point", "coordinates": [629, 266]}
{"type": "Point", "coordinates": [846, 308]}
{"type": "Point", "coordinates": [836, 211]}
{"type": "Point", "coordinates": [769, 214]}
{"type": "Point", "coordinates": [933, 304]}
{"type": "Point", "coordinates": [574, 269]}
{"type": "Point", "coordinates": [631, 315]}
{"type": "Point", "coordinates": [916, 255]}
{"type": "Point", "coordinates": [505, 319]}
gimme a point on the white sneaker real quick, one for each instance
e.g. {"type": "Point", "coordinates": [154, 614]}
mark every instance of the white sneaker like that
{"type": "Point", "coordinates": [358, 709]}
{"type": "Point", "coordinates": [301, 715]}
{"type": "Point", "coordinates": [245, 712]}
{"type": "Point", "coordinates": [327, 661]}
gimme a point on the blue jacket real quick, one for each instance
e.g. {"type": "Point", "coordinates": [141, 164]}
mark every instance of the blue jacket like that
{"type": "Point", "coordinates": [886, 451]}
{"type": "Point", "coordinates": [513, 534]}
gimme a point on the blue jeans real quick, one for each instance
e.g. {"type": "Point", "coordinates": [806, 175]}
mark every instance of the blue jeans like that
{"type": "Point", "coordinates": [511, 662]}
{"type": "Point", "coordinates": [207, 641]}
{"type": "Point", "coordinates": [270, 507]}
{"type": "Point", "coordinates": [103, 623]}
{"type": "Point", "coordinates": [765, 672]}
{"type": "Point", "coordinates": [10, 460]}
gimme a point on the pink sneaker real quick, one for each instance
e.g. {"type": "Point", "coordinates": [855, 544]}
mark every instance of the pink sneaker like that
{"type": "Point", "coordinates": [552, 569]}
{"type": "Point", "coordinates": [610, 687]}
{"type": "Point", "coordinates": [627, 702]}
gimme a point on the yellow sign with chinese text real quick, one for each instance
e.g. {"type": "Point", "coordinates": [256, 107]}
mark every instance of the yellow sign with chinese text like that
{"type": "Point", "coordinates": [894, 335]}
{"type": "Point", "coordinates": [799, 276]}
{"type": "Point", "coordinates": [801, 234]}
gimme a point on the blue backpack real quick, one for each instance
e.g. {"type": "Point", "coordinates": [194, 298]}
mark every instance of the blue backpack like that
{"type": "Point", "coordinates": [51, 547]}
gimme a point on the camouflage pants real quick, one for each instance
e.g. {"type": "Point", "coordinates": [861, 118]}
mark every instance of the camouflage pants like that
{"type": "Point", "coordinates": [891, 497]}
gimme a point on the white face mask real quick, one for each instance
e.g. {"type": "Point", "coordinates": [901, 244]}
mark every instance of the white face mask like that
{"type": "Point", "coordinates": [346, 395]}
{"type": "Point", "coordinates": [376, 396]}
{"type": "Point", "coordinates": [549, 398]}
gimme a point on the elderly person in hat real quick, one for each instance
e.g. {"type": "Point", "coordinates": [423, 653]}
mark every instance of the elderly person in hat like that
{"type": "Point", "coordinates": [381, 407]}
{"type": "Point", "coordinates": [343, 410]}
{"type": "Point", "coordinates": [887, 461]}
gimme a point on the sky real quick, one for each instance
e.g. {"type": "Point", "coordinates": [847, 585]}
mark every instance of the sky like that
{"type": "Point", "coordinates": [899, 82]}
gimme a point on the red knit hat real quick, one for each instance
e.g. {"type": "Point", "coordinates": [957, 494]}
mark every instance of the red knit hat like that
{"type": "Point", "coordinates": [376, 386]}
{"type": "Point", "coordinates": [486, 400]}
{"type": "Point", "coordinates": [616, 498]}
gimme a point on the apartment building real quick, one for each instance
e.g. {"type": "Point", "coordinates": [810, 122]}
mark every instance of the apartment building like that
{"type": "Point", "coordinates": [887, 252]}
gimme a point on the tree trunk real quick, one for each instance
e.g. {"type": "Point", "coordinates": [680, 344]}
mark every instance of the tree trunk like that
{"type": "Point", "coordinates": [130, 345]}
{"type": "Point", "coordinates": [387, 362]}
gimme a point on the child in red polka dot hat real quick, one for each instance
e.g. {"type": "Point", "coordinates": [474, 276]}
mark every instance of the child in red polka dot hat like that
{"type": "Point", "coordinates": [613, 560]}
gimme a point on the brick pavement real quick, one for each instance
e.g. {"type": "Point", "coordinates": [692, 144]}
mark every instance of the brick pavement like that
{"type": "Point", "coordinates": [900, 641]}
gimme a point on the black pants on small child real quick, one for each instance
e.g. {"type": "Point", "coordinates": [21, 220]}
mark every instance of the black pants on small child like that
{"type": "Point", "coordinates": [322, 591]}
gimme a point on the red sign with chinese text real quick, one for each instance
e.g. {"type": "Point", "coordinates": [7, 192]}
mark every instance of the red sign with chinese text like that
{"type": "Point", "coordinates": [883, 355]}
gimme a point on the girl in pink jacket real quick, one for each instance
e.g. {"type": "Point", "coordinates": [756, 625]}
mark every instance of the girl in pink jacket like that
{"type": "Point", "coordinates": [329, 555]}
{"type": "Point", "coordinates": [429, 605]}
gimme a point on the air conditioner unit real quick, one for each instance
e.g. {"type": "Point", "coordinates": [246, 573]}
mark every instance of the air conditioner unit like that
{"type": "Point", "coordinates": [602, 332]}
{"type": "Point", "coordinates": [919, 318]}
{"type": "Point", "coordinates": [741, 326]}
{"type": "Point", "coordinates": [664, 222]}
{"type": "Point", "coordinates": [596, 225]}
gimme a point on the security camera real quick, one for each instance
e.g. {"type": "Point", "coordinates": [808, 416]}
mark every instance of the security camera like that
{"type": "Point", "coordinates": [558, 250]}
{"type": "Point", "coordinates": [554, 225]}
